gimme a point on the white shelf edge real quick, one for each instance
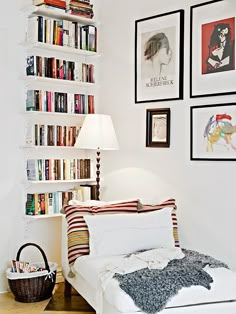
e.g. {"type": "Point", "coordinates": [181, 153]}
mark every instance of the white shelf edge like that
{"type": "Point", "coordinates": [36, 147]}
{"type": "Point", "coordinates": [59, 49]}
{"type": "Point", "coordinates": [53, 81]}
{"type": "Point", "coordinates": [44, 216]}
{"type": "Point", "coordinates": [59, 181]}
{"type": "Point", "coordinates": [32, 113]}
{"type": "Point", "coordinates": [36, 10]}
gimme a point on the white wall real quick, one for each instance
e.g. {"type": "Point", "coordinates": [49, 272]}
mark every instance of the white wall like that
{"type": "Point", "coordinates": [206, 209]}
{"type": "Point", "coordinates": [15, 230]}
{"type": "Point", "coordinates": [204, 190]}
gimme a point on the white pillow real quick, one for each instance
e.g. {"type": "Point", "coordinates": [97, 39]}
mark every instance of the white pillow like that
{"type": "Point", "coordinates": [123, 234]}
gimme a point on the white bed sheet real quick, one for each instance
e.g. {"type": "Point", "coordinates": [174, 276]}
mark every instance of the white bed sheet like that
{"type": "Point", "coordinates": [90, 268]}
{"type": "Point", "coordinates": [86, 287]}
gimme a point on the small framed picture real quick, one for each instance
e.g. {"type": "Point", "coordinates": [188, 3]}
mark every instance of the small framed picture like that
{"type": "Point", "coordinates": [158, 127]}
{"type": "Point", "coordinates": [159, 53]}
{"type": "Point", "coordinates": [212, 49]}
{"type": "Point", "coordinates": [213, 132]}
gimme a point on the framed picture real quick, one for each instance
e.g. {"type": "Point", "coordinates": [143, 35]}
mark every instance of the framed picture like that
{"type": "Point", "coordinates": [213, 132]}
{"type": "Point", "coordinates": [159, 57]}
{"type": "Point", "coordinates": [158, 127]}
{"type": "Point", "coordinates": [212, 49]}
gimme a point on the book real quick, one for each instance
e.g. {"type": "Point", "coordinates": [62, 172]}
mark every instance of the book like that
{"type": "Point", "coordinates": [29, 134]}
{"type": "Point", "coordinates": [50, 205]}
{"type": "Point", "coordinates": [77, 194]}
{"type": "Point", "coordinates": [55, 202]}
{"type": "Point", "coordinates": [83, 37]}
{"type": "Point", "coordinates": [32, 170]}
{"type": "Point", "coordinates": [41, 198]}
{"type": "Point", "coordinates": [86, 193]}
{"type": "Point", "coordinates": [32, 29]}
{"type": "Point", "coordinates": [30, 100]}
{"type": "Point", "coordinates": [40, 169]}
{"type": "Point", "coordinates": [80, 4]}
{"type": "Point", "coordinates": [31, 65]}
{"type": "Point", "coordinates": [92, 38]}
{"type": "Point", "coordinates": [30, 205]}
{"type": "Point", "coordinates": [53, 7]}
{"type": "Point", "coordinates": [82, 1]}
{"type": "Point", "coordinates": [88, 190]}
{"type": "Point", "coordinates": [36, 203]}
{"type": "Point", "coordinates": [66, 32]}
{"type": "Point", "coordinates": [46, 203]}
{"type": "Point", "coordinates": [41, 31]}
{"type": "Point", "coordinates": [58, 3]}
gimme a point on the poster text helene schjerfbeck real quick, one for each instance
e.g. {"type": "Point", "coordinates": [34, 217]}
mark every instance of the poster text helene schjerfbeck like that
{"type": "Point", "coordinates": [159, 81]}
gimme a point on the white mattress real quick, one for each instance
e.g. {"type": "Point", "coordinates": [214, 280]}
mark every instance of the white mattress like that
{"type": "Point", "coordinates": [90, 268]}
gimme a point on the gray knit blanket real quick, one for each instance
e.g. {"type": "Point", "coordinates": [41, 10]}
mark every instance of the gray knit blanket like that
{"type": "Point", "coordinates": [151, 289]}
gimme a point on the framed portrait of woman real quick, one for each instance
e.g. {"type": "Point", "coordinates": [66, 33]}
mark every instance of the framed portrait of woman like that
{"type": "Point", "coordinates": [158, 127]}
{"type": "Point", "coordinates": [159, 57]}
{"type": "Point", "coordinates": [212, 49]}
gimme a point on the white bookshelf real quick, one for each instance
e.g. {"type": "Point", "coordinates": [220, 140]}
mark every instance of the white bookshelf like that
{"type": "Point", "coordinates": [35, 82]}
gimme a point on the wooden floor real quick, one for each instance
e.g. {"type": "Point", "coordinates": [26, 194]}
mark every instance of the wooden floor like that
{"type": "Point", "coordinates": [9, 305]}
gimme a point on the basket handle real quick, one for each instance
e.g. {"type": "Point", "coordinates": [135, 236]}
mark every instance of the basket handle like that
{"type": "Point", "coordinates": [40, 249]}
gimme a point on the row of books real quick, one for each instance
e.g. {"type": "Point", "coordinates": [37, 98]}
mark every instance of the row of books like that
{"type": "Point", "coordinates": [62, 33]}
{"type": "Point", "coordinates": [59, 69]}
{"type": "Point", "coordinates": [76, 7]}
{"type": "Point", "coordinates": [51, 135]}
{"type": "Point", "coordinates": [50, 203]}
{"type": "Point", "coordinates": [45, 203]}
{"type": "Point", "coordinates": [58, 169]}
{"type": "Point", "coordinates": [49, 101]}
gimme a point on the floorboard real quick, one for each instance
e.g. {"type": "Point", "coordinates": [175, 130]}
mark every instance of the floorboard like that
{"type": "Point", "coordinates": [58, 303]}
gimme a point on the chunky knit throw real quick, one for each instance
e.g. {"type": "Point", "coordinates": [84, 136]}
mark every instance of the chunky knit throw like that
{"type": "Point", "coordinates": [151, 289]}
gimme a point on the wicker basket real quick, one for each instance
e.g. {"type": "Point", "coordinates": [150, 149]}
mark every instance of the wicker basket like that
{"type": "Point", "coordinates": [36, 286]}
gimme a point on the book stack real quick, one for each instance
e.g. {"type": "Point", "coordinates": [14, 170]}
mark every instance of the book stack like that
{"type": "Point", "coordinates": [51, 4]}
{"type": "Point", "coordinates": [81, 7]}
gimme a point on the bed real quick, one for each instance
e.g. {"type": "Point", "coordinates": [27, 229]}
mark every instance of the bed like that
{"type": "Point", "coordinates": [102, 253]}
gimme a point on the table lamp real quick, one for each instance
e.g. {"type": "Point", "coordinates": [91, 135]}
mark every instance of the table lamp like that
{"type": "Point", "coordinates": [97, 132]}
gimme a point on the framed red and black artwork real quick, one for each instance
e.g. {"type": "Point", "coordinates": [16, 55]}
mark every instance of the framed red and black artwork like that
{"type": "Point", "coordinates": [212, 49]}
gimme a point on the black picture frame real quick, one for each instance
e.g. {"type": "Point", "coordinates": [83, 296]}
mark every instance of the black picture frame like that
{"type": "Point", "coordinates": [159, 72]}
{"type": "Point", "coordinates": [158, 127]}
{"type": "Point", "coordinates": [212, 60]}
{"type": "Point", "coordinates": [213, 132]}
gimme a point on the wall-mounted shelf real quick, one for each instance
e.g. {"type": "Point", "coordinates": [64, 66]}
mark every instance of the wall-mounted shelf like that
{"type": "Point", "coordinates": [81, 181]}
{"type": "Point", "coordinates": [52, 58]}
{"type": "Point", "coordinates": [50, 50]}
{"type": "Point", "coordinates": [33, 80]}
{"type": "Point", "coordinates": [42, 147]}
{"type": "Point", "coordinates": [37, 10]}
{"type": "Point", "coordinates": [46, 216]}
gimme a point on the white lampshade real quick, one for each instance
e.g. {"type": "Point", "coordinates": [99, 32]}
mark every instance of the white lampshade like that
{"type": "Point", "coordinates": [97, 132]}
